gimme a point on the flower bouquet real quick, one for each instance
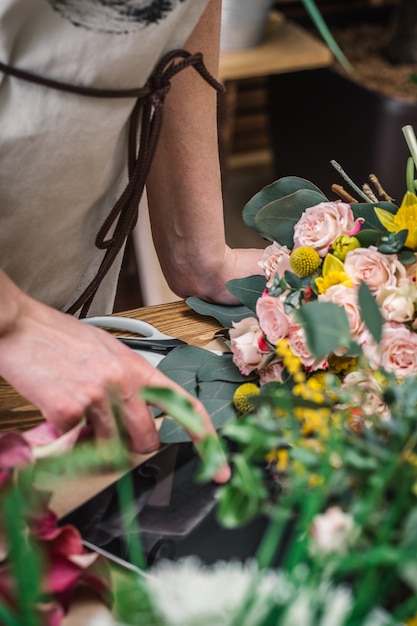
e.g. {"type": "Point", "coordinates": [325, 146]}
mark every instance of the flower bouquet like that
{"type": "Point", "coordinates": [316, 403]}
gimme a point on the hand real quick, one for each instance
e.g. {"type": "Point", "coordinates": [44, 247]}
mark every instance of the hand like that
{"type": "Point", "coordinates": [71, 370]}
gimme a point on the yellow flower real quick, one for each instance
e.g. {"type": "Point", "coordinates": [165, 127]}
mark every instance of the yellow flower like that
{"type": "Point", "coordinates": [304, 260]}
{"type": "Point", "coordinates": [291, 362]}
{"type": "Point", "coordinates": [319, 379]}
{"type": "Point", "coordinates": [315, 480]}
{"type": "Point", "coordinates": [332, 274]}
{"type": "Point", "coordinates": [280, 458]}
{"type": "Point", "coordinates": [343, 244]}
{"type": "Point", "coordinates": [242, 395]}
{"type": "Point", "coordinates": [404, 219]}
{"type": "Point", "coordinates": [342, 364]}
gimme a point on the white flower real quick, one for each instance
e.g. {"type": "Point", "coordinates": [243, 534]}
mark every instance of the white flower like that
{"type": "Point", "coordinates": [332, 532]}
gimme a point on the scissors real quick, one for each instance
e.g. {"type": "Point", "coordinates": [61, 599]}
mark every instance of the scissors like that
{"type": "Point", "coordinates": [152, 344]}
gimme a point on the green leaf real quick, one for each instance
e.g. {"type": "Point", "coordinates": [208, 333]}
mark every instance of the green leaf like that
{"type": "Point", "coordinates": [371, 314]}
{"type": "Point", "coordinates": [235, 508]}
{"type": "Point", "coordinates": [182, 365]}
{"type": "Point", "coordinates": [406, 257]}
{"type": "Point", "coordinates": [177, 406]}
{"type": "Point", "coordinates": [25, 559]}
{"type": "Point", "coordinates": [242, 499]}
{"type": "Point", "coordinates": [276, 220]}
{"type": "Point", "coordinates": [326, 327]}
{"type": "Point", "coordinates": [212, 458]}
{"type": "Point", "coordinates": [224, 314]}
{"type": "Point", "coordinates": [278, 189]}
{"type": "Point", "coordinates": [368, 237]}
{"type": "Point", "coordinates": [7, 618]}
{"type": "Point", "coordinates": [367, 211]}
{"type": "Point", "coordinates": [221, 368]}
{"type": "Point", "coordinates": [221, 412]}
{"type": "Point", "coordinates": [248, 289]}
{"type": "Point", "coordinates": [324, 31]}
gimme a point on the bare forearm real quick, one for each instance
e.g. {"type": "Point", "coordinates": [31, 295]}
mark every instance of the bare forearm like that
{"type": "Point", "coordinates": [11, 302]}
{"type": "Point", "coordinates": [184, 187]}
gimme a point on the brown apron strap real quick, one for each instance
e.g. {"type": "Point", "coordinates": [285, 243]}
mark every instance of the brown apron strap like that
{"type": "Point", "coordinates": [149, 100]}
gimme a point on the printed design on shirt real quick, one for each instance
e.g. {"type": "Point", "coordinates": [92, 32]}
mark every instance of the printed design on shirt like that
{"type": "Point", "coordinates": [114, 16]}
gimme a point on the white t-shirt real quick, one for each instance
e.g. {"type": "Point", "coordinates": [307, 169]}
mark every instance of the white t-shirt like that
{"type": "Point", "coordinates": [63, 156]}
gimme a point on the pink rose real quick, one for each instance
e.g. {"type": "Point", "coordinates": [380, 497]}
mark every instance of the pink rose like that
{"type": "Point", "coordinates": [347, 298]}
{"type": "Point", "coordinates": [271, 373]}
{"type": "Point", "coordinates": [275, 261]}
{"type": "Point", "coordinates": [377, 270]}
{"type": "Point", "coordinates": [397, 303]}
{"type": "Point", "coordinates": [366, 394]}
{"type": "Point", "coordinates": [298, 345]}
{"type": "Point", "coordinates": [319, 225]}
{"type": "Point", "coordinates": [332, 532]}
{"type": "Point", "coordinates": [272, 318]}
{"type": "Point", "coordinates": [247, 343]}
{"type": "Point", "coordinates": [411, 270]}
{"type": "Point", "coordinates": [398, 349]}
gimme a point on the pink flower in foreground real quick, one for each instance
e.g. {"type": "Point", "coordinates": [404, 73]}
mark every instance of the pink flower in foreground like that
{"type": "Point", "coordinates": [247, 345]}
{"type": "Point", "coordinates": [272, 318]}
{"type": "Point", "coordinates": [67, 563]}
{"type": "Point", "coordinates": [275, 261]}
{"type": "Point", "coordinates": [332, 532]}
{"type": "Point", "coordinates": [319, 225]}
{"type": "Point", "coordinates": [366, 394]}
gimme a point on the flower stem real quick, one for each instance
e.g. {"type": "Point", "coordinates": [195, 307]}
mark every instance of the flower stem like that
{"type": "Point", "coordinates": [408, 132]}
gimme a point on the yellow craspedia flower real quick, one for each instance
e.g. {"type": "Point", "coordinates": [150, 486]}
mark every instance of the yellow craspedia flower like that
{"type": "Point", "coordinates": [304, 260]}
{"type": "Point", "coordinates": [344, 244]}
{"type": "Point", "coordinates": [242, 395]}
{"type": "Point", "coordinates": [404, 219]}
{"type": "Point", "coordinates": [412, 621]}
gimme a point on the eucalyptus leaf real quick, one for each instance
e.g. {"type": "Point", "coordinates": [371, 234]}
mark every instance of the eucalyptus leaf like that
{"type": "Point", "coordinates": [368, 237]}
{"type": "Point", "coordinates": [277, 219]}
{"type": "Point", "coordinates": [371, 314]}
{"type": "Point", "coordinates": [406, 257]}
{"type": "Point", "coordinates": [221, 412]}
{"type": "Point", "coordinates": [248, 289]}
{"type": "Point", "coordinates": [216, 390]}
{"type": "Point", "coordinates": [278, 189]}
{"type": "Point", "coordinates": [221, 368]}
{"type": "Point", "coordinates": [224, 314]}
{"type": "Point", "coordinates": [182, 365]}
{"type": "Point", "coordinates": [326, 327]}
{"type": "Point", "coordinates": [367, 211]}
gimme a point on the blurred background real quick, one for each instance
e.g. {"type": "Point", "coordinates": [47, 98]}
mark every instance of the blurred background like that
{"type": "Point", "coordinates": [266, 61]}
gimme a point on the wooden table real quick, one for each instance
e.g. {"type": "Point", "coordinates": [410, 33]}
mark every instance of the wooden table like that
{"type": "Point", "coordinates": [175, 319]}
